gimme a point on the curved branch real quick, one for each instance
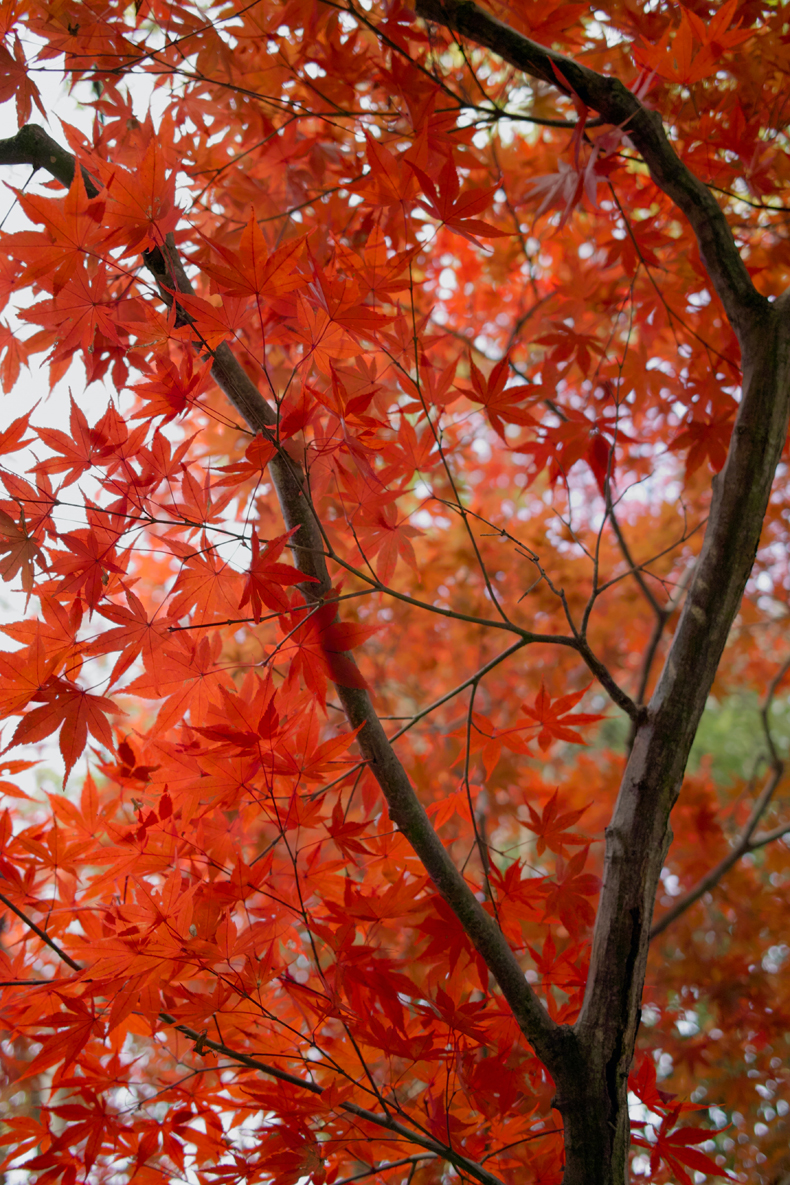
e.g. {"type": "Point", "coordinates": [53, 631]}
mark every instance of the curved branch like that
{"type": "Point", "coordinates": [471, 1167]}
{"type": "Point", "coordinates": [383, 1168]}
{"type": "Point", "coordinates": [620, 107]}
{"type": "Point", "coordinates": [765, 837]}
{"type": "Point", "coordinates": [42, 934]}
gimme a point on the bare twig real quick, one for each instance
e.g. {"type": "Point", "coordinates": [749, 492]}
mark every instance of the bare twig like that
{"type": "Point", "coordinates": [635, 569]}
{"type": "Point", "coordinates": [383, 1168]}
{"type": "Point", "coordinates": [42, 934]}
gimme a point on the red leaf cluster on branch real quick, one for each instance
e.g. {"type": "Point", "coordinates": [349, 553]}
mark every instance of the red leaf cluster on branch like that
{"type": "Point", "coordinates": [376, 607]}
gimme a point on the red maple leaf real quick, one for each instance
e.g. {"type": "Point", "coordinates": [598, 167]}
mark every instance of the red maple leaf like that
{"type": "Point", "coordinates": [577, 438]}
{"type": "Point", "coordinates": [551, 828]}
{"type": "Point", "coordinates": [267, 576]}
{"type": "Point", "coordinates": [706, 440]}
{"type": "Point", "coordinates": [13, 438]}
{"type": "Point", "coordinates": [445, 202]}
{"type": "Point", "coordinates": [553, 717]}
{"type": "Point", "coordinates": [674, 1146]}
{"type": "Point", "coordinates": [498, 400]}
{"type": "Point", "coordinates": [75, 712]}
{"type": "Point", "coordinates": [567, 895]}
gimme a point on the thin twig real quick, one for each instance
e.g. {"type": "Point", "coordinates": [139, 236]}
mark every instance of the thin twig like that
{"type": "Point", "coordinates": [202, 1043]}
{"type": "Point", "coordinates": [745, 843]}
{"type": "Point", "coordinates": [383, 1168]}
{"type": "Point", "coordinates": [41, 933]}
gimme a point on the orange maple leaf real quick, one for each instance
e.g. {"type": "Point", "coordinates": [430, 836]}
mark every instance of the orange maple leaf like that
{"type": "Point", "coordinates": [16, 82]}
{"type": "Point", "coordinates": [266, 576]}
{"type": "Point", "coordinates": [141, 203]}
{"type": "Point", "coordinates": [213, 320]}
{"type": "Point", "coordinates": [206, 588]}
{"type": "Point", "coordinates": [191, 678]}
{"type": "Point", "coordinates": [322, 644]}
{"type": "Point", "coordinates": [323, 339]}
{"type": "Point", "coordinates": [22, 551]}
{"type": "Point", "coordinates": [486, 738]}
{"type": "Point", "coordinates": [175, 388]}
{"type": "Point", "coordinates": [254, 270]}
{"type": "Point", "coordinates": [387, 183]}
{"type": "Point", "coordinates": [135, 635]}
{"type": "Point", "coordinates": [674, 58]}
{"type": "Point", "coordinates": [73, 229]}
{"type": "Point", "coordinates": [16, 353]}
{"type": "Point", "coordinates": [80, 309]}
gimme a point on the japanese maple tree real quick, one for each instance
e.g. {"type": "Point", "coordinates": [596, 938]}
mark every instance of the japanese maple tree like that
{"type": "Point", "coordinates": [442, 481]}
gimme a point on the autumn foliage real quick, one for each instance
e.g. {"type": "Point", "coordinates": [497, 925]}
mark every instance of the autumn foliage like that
{"type": "Point", "coordinates": [417, 383]}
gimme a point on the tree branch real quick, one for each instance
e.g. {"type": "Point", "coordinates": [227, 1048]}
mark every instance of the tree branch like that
{"type": "Point", "coordinates": [638, 837]}
{"type": "Point", "coordinates": [635, 569]}
{"type": "Point", "coordinates": [713, 877]}
{"type": "Point", "coordinates": [42, 934]}
{"type": "Point", "coordinates": [618, 106]}
{"type": "Point", "coordinates": [383, 1168]}
{"type": "Point", "coordinates": [766, 837]}
{"type": "Point", "coordinates": [33, 146]}
{"type": "Point", "coordinates": [386, 1121]}
{"type": "Point", "coordinates": [745, 842]}
{"type": "Point", "coordinates": [471, 1167]}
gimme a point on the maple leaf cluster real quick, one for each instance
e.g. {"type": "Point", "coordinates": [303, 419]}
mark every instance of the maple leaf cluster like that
{"type": "Point", "coordinates": [499, 384]}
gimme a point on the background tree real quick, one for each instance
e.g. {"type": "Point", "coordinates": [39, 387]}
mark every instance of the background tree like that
{"type": "Point", "coordinates": [423, 340]}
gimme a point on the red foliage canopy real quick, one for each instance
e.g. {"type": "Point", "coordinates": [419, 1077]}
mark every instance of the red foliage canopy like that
{"type": "Point", "coordinates": [421, 344]}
